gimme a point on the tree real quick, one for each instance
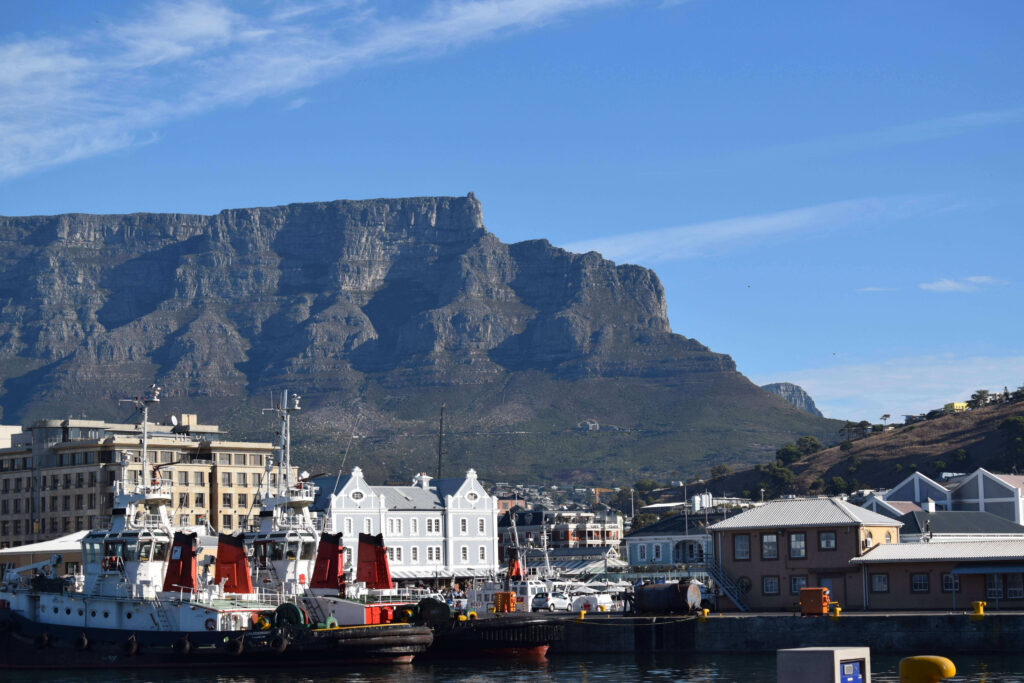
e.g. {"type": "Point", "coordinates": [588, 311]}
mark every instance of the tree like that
{"type": "Point", "coordinates": [863, 427]}
{"type": "Point", "coordinates": [644, 519]}
{"type": "Point", "coordinates": [719, 471]}
{"type": "Point", "coordinates": [808, 445]}
{"type": "Point", "coordinates": [979, 398]}
{"type": "Point", "coordinates": [885, 418]}
{"type": "Point", "coordinates": [788, 454]}
{"type": "Point", "coordinates": [835, 486]}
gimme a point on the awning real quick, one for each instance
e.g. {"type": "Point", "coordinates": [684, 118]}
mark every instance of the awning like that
{"type": "Point", "coordinates": [989, 569]}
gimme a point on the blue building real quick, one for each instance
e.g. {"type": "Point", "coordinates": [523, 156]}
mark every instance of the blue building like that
{"type": "Point", "coordinates": [669, 542]}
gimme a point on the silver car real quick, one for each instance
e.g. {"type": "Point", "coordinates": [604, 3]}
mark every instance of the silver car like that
{"type": "Point", "coordinates": [551, 602]}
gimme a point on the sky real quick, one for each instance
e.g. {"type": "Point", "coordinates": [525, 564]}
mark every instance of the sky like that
{"type": "Point", "coordinates": [830, 193]}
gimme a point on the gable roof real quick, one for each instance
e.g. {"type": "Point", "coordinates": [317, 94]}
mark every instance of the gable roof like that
{"type": "Point", "coordinates": [327, 487]}
{"type": "Point", "coordinates": [410, 497]}
{"type": "Point", "coordinates": [958, 522]}
{"type": "Point", "coordinates": [804, 512]}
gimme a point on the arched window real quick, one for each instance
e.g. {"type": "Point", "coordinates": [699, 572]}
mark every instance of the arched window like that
{"type": "Point", "coordinates": [888, 537]}
{"type": "Point", "coordinates": [870, 540]}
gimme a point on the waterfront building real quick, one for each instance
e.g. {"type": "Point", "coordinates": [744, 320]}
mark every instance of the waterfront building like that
{"type": "Point", "coordinates": [677, 539]}
{"type": "Point", "coordinates": [578, 562]}
{"type": "Point", "coordinates": [921, 526]}
{"type": "Point", "coordinates": [436, 530]}
{"type": "Point", "coordinates": [983, 491]}
{"type": "Point", "coordinates": [933, 576]}
{"type": "Point", "coordinates": [770, 552]}
{"type": "Point", "coordinates": [58, 476]}
{"type": "Point", "coordinates": [560, 529]}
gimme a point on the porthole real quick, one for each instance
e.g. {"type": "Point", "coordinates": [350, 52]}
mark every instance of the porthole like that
{"type": "Point", "coordinates": [92, 613]}
{"type": "Point", "coordinates": [106, 614]}
{"type": "Point", "coordinates": [54, 610]}
{"type": "Point", "coordinates": [128, 615]}
{"type": "Point", "coordinates": [80, 612]}
{"type": "Point", "coordinates": [67, 610]}
{"type": "Point", "coordinates": [471, 496]}
{"type": "Point", "coordinates": [357, 495]}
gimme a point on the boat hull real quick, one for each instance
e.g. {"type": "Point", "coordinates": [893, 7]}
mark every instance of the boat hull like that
{"type": "Point", "coordinates": [525, 637]}
{"type": "Point", "coordinates": [25, 644]}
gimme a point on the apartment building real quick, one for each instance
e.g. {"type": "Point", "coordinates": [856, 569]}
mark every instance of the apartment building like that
{"type": "Point", "coordinates": [58, 476]}
{"type": "Point", "coordinates": [560, 529]}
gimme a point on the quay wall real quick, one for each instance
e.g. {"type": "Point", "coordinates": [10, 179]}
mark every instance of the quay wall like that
{"type": "Point", "coordinates": [883, 633]}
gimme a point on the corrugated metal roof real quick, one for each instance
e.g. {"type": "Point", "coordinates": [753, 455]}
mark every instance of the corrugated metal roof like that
{"type": "Point", "coordinates": [958, 522]}
{"type": "Point", "coordinates": [804, 512]}
{"type": "Point", "coordinates": [957, 551]}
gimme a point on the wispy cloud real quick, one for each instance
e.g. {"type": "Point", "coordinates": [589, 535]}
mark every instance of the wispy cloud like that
{"type": "Point", "coordinates": [66, 98]}
{"type": "Point", "coordinates": [974, 283]}
{"type": "Point", "coordinates": [902, 386]}
{"type": "Point", "coordinates": [297, 103]}
{"type": "Point", "coordinates": [666, 244]}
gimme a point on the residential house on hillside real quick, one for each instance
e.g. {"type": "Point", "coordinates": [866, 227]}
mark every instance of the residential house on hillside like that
{"type": "Point", "coordinates": [435, 530]}
{"type": "Point", "coordinates": [941, 575]}
{"type": "Point", "coordinates": [764, 556]}
{"type": "Point", "coordinates": [983, 491]}
{"type": "Point", "coordinates": [669, 541]}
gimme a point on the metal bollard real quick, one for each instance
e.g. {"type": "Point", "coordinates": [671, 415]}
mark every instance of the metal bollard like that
{"type": "Point", "coordinates": [978, 612]}
{"type": "Point", "coordinates": [925, 669]}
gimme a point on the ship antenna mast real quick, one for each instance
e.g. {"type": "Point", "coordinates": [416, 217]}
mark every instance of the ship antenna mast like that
{"type": "Point", "coordinates": [283, 410]}
{"type": "Point", "coordinates": [142, 405]}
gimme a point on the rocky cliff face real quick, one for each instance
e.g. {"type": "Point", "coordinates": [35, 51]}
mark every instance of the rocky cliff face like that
{"type": "Point", "coordinates": [795, 395]}
{"type": "Point", "coordinates": [371, 302]}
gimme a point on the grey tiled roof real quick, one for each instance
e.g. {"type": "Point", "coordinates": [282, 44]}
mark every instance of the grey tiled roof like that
{"type": "Point", "coordinates": [958, 522]}
{"type": "Point", "coordinates": [955, 551]}
{"type": "Point", "coordinates": [804, 512]}
{"type": "Point", "coordinates": [409, 497]}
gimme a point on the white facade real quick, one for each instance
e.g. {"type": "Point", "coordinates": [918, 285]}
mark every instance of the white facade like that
{"type": "Point", "coordinates": [434, 529]}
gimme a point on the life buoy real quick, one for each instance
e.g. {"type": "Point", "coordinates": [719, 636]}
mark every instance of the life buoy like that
{"type": "Point", "coordinates": [210, 625]}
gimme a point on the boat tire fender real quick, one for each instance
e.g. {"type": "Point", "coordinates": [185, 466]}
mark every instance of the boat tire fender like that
{"type": "Point", "coordinates": [131, 646]}
{"type": "Point", "coordinates": [235, 646]}
{"type": "Point", "coordinates": [182, 646]}
{"type": "Point", "coordinates": [81, 642]}
{"type": "Point", "coordinates": [279, 643]}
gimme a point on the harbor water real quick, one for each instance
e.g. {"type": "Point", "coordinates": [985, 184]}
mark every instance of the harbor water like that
{"type": "Point", "coordinates": [657, 668]}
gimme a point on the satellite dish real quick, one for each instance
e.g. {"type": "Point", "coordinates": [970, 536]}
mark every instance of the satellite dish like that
{"type": "Point", "coordinates": [174, 421]}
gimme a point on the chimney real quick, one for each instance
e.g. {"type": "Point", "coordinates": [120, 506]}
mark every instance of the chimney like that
{"type": "Point", "coordinates": [929, 506]}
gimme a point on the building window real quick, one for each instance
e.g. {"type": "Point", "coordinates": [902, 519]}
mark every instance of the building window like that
{"type": "Point", "coordinates": [1014, 587]}
{"type": "Point", "coordinates": [919, 583]}
{"type": "Point", "coordinates": [367, 525]}
{"type": "Point", "coordinates": [796, 583]}
{"type": "Point", "coordinates": [826, 540]}
{"type": "Point", "coordinates": [741, 547]}
{"type": "Point", "coordinates": [243, 521]}
{"type": "Point", "coordinates": [888, 537]}
{"type": "Point", "coordinates": [199, 478]}
{"type": "Point", "coordinates": [200, 500]}
{"type": "Point", "coordinates": [243, 500]}
{"type": "Point", "coordinates": [414, 554]}
{"type": "Point", "coordinates": [463, 526]}
{"type": "Point", "coordinates": [869, 540]}
{"type": "Point", "coordinates": [182, 478]}
{"type": "Point", "coordinates": [993, 586]}
{"type": "Point", "coordinates": [225, 500]}
{"type": "Point", "coordinates": [225, 522]}
{"type": "Point", "coordinates": [769, 546]}
{"type": "Point", "coordinates": [480, 526]}
{"type": "Point", "coordinates": [241, 479]}
{"type": "Point", "coordinates": [391, 527]}
{"type": "Point", "coordinates": [464, 554]}
{"type": "Point", "coordinates": [657, 551]}
{"type": "Point", "coordinates": [433, 526]}
{"type": "Point", "coordinates": [398, 527]}
{"type": "Point", "coordinates": [225, 479]}
{"type": "Point", "coordinates": [797, 546]}
{"type": "Point", "coordinates": [357, 495]}
{"type": "Point", "coordinates": [398, 554]}
{"type": "Point", "coordinates": [183, 500]}
{"type": "Point", "coordinates": [879, 583]}
{"type": "Point", "coordinates": [414, 526]}
{"type": "Point", "coordinates": [950, 583]}
{"type": "Point", "coordinates": [770, 585]}
{"type": "Point", "coordinates": [482, 555]}
{"type": "Point", "coordinates": [348, 526]}
{"type": "Point", "coordinates": [641, 551]}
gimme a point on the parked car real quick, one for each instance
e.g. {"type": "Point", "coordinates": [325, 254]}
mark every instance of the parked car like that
{"type": "Point", "coordinates": [551, 602]}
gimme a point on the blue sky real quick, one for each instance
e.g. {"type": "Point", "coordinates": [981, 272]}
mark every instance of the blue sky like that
{"type": "Point", "coordinates": [830, 192]}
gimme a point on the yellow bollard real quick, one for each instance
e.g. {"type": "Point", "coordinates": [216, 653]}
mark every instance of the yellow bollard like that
{"type": "Point", "coordinates": [472, 616]}
{"type": "Point", "coordinates": [836, 610]}
{"type": "Point", "coordinates": [703, 616]}
{"type": "Point", "coordinates": [583, 613]}
{"type": "Point", "coordinates": [600, 607]}
{"type": "Point", "coordinates": [462, 617]}
{"type": "Point", "coordinates": [979, 610]}
{"type": "Point", "coordinates": [925, 669]}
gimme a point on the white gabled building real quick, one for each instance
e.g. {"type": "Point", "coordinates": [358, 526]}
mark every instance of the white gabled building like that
{"type": "Point", "coordinates": [435, 529]}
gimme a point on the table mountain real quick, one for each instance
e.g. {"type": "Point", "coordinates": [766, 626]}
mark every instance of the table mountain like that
{"type": "Point", "coordinates": [377, 311]}
{"type": "Point", "coordinates": [795, 395]}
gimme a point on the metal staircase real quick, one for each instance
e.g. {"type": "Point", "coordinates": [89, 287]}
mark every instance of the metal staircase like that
{"type": "Point", "coordinates": [314, 608]}
{"type": "Point", "coordinates": [160, 610]}
{"type": "Point", "coordinates": [727, 585]}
